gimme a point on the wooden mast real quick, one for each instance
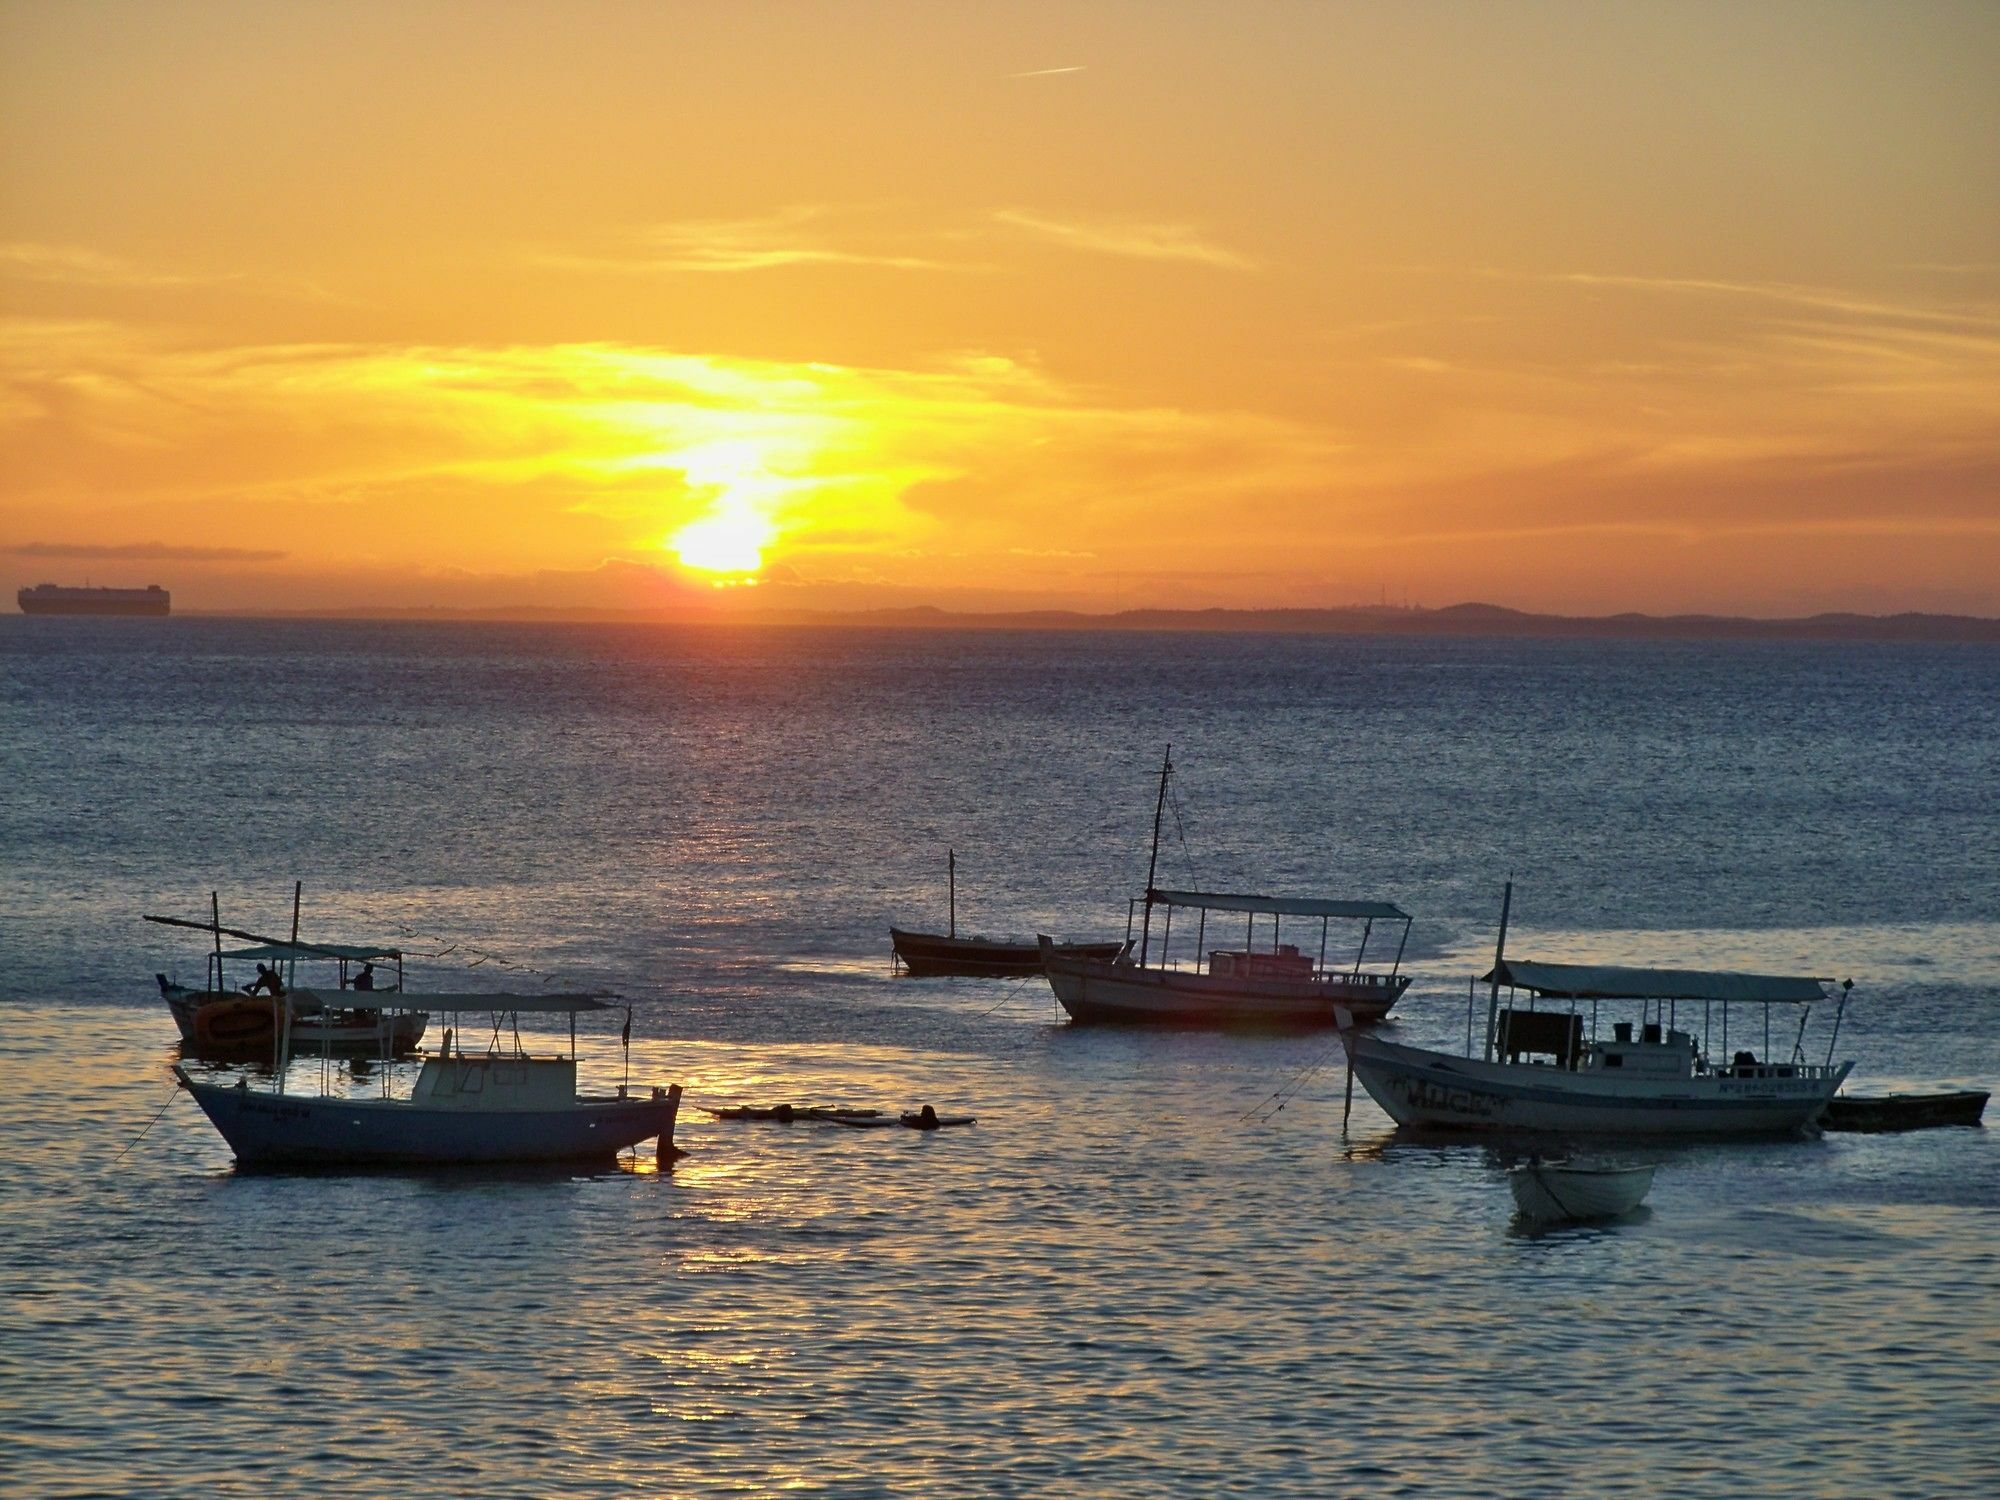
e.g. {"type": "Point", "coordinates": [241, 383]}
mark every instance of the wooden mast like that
{"type": "Point", "coordinates": [951, 874]}
{"type": "Point", "coordinates": [1499, 953]}
{"type": "Point", "coordinates": [1152, 864]}
{"type": "Point", "coordinates": [292, 968]}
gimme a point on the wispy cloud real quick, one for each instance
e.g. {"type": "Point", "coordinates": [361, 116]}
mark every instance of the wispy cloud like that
{"type": "Point", "coordinates": [81, 266]}
{"type": "Point", "coordinates": [1785, 293]}
{"type": "Point", "coordinates": [801, 236]}
{"type": "Point", "coordinates": [1821, 299]}
{"type": "Point", "coordinates": [1139, 241]}
{"type": "Point", "coordinates": [146, 552]}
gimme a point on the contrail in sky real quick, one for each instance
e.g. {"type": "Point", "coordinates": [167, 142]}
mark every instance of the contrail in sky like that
{"type": "Point", "coordinates": [1045, 72]}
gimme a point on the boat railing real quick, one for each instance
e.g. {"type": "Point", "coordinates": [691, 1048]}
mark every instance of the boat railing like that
{"type": "Point", "coordinates": [1774, 1070]}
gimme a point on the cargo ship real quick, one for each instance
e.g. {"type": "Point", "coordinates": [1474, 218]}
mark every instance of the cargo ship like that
{"type": "Point", "coordinates": [50, 599]}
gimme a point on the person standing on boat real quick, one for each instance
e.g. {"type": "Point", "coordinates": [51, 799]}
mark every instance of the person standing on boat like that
{"type": "Point", "coordinates": [267, 982]}
{"type": "Point", "coordinates": [365, 980]}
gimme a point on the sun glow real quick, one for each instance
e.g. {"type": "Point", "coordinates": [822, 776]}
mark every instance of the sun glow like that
{"type": "Point", "coordinates": [729, 540]}
{"type": "Point", "coordinates": [734, 474]}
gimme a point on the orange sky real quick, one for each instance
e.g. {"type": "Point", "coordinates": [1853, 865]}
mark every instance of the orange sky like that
{"type": "Point", "coordinates": [1570, 307]}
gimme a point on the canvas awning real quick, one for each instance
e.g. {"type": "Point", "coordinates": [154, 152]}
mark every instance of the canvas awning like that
{"type": "Point", "coordinates": [354, 952]}
{"type": "Point", "coordinates": [1615, 982]}
{"type": "Point", "coordinates": [449, 1001]}
{"type": "Point", "coordinates": [1279, 906]}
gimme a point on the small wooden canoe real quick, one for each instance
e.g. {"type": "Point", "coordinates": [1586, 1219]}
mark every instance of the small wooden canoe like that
{"type": "Point", "coordinates": [786, 1114]}
{"type": "Point", "coordinates": [1863, 1112]}
{"type": "Point", "coordinates": [1556, 1192]}
{"type": "Point", "coordinates": [933, 955]}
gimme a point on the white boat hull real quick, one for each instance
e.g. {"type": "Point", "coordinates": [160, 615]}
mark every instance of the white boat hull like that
{"type": "Point", "coordinates": [1423, 1088]}
{"type": "Point", "coordinates": [1096, 991]}
{"type": "Point", "coordinates": [266, 1129]}
{"type": "Point", "coordinates": [1555, 1192]}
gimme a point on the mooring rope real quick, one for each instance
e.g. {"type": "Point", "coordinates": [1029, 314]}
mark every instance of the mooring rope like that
{"type": "Point", "coordinates": [1267, 1109]}
{"type": "Point", "coordinates": [149, 1124]}
{"type": "Point", "coordinates": [1187, 854]}
{"type": "Point", "coordinates": [1013, 991]}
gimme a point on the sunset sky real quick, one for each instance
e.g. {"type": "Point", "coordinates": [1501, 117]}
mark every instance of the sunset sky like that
{"type": "Point", "coordinates": [1570, 307]}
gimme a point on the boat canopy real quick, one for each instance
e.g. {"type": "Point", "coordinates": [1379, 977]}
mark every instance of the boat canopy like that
{"type": "Point", "coordinates": [354, 952]}
{"type": "Point", "coordinates": [1613, 982]}
{"type": "Point", "coordinates": [444, 1001]}
{"type": "Point", "coordinates": [1280, 906]}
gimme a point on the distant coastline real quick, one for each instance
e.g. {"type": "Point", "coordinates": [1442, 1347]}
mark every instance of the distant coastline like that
{"type": "Point", "coordinates": [1469, 620]}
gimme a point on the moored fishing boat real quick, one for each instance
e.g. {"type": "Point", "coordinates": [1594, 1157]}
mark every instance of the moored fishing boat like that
{"type": "Point", "coordinates": [499, 1104]}
{"type": "Point", "coordinates": [1884, 1112]}
{"type": "Point", "coordinates": [218, 1020]}
{"type": "Point", "coordinates": [927, 955]}
{"type": "Point", "coordinates": [1661, 1081]}
{"type": "Point", "coordinates": [1554, 1192]}
{"type": "Point", "coordinates": [1258, 984]}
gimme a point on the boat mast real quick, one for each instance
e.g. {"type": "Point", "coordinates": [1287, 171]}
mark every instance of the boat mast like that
{"type": "Point", "coordinates": [1153, 864]}
{"type": "Point", "coordinates": [215, 925]}
{"type": "Point", "coordinates": [951, 874]}
{"type": "Point", "coordinates": [1499, 953]}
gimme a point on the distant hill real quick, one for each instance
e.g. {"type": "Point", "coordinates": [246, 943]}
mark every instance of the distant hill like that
{"type": "Point", "coordinates": [1452, 620]}
{"type": "Point", "coordinates": [1455, 619]}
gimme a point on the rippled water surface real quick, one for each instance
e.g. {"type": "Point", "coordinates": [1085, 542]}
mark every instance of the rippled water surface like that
{"type": "Point", "coordinates": [1137, 1275]}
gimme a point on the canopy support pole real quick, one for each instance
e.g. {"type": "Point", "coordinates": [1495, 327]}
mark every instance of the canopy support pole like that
{"type": "Point", "coordinates": [1499, 954]}
{"type": "Point", "coordinates": [1839, 1011]}
{"type": "Point", "coordinates": [292, 967]}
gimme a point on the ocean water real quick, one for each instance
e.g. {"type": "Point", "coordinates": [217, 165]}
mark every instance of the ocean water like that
{"type": "Point", "coordinates": [1160, 1263]}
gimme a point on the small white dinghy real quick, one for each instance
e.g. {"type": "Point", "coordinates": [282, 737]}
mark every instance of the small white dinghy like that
{"type": "Point", "coordinates": [1556, 1191]}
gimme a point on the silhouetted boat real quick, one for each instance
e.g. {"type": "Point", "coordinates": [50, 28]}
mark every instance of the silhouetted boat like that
{"type": "Point", "coordinates": [1863, 1112]}
{"type": "Point", "coordinates": [495, 1105]}
{"type": "Point", "coordinates": [940, 955]}
{"type": "Point", "coordinates": [52, 599]}
{"type": "Point", "coordinates": [1275, 985]}
{"type": "Point", "coordinates": [217, 1021]}
{"type": "Point", "coordinates": [230, 1025]}
{"type": "Point", "coordinates": [1553, 1192]}
{"type": "Point", "coordinates": [1661, 1082]}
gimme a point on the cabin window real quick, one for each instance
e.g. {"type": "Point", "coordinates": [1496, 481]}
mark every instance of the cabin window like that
{"type": "Point", "coordinates": [1614, 1060]}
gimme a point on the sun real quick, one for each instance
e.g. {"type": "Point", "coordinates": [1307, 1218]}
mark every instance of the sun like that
{"type": "Point", "coordinates": [729, 540]}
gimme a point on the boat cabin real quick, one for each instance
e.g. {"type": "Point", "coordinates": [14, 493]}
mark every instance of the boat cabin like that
{"type": "Point", "coordinates": [1260, 961]}
{"type": "Point", "coordinates": [1672, 1056]}
{"type": "Point", "coordinates": [1551, 1028]}
{"type": "Point", "coordinates": [1283, 962]}
{"type": "Point", "coordinates": [494, 1081]}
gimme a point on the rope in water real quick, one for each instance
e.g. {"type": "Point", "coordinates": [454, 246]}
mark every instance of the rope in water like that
{"type": "Point", "coordinates": [1267, 1110]}
{"type": "Point", "coordinates": [1014, 989]}
{"type": "Point", "coordinates": [149, 1124]}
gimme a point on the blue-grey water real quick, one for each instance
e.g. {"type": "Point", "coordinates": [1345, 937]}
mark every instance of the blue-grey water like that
{"type": "Point", "coordinates": [1136, 1276]}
